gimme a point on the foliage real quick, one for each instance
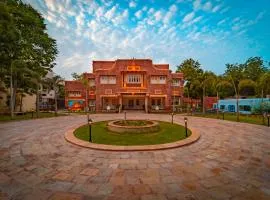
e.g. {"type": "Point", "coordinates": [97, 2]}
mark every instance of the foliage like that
{"type": "Point", "coordinates": [264, 84]}
{"type": "Point", "coordinates": [247, 87]}
{"type": "Point", "coordinates": [223, 87]}
{"type": "Point", "coordinates": [264, 107]}
{"type": "Point", "coordinates": [252, 119]}
{"type": "Point", "coordinates": [76, 76]}
{"type": "Point", "coordinates": [27, 52]}
{"type": "Point", "coordinates": [254, 68]}
{"type": "Point", "coordinates": [192, 71]}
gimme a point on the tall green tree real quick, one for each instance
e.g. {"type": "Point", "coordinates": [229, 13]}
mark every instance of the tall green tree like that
{"type": "Point", "coordinates": [234, 73]}
{"type": "Point", "coordinates": [26, 46]}
{"type": "Point", "coordinates": [247, 87]}
{"type": "Point", "coordinates": [264, 84]}
{"type": "Point", "coordinates": [254, 68]}
{"type": "Point", "coordinates": [207, 80]}
{"type": "Point", "coordinates": [191, 70]}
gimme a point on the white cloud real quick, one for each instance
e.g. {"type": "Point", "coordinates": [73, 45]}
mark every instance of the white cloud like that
{"type": "Point", "coordinates": [121, 17]}
{"type": "Point", "coordinates": [170, 14]}
{"type": "Point", "coordinates": [158, 15]}
{"type": "Point", "coordinates": [151, 10]}
{"type": "Point", "coordinates": [100, 30]}
{"type": "Point", "coordinates": [138, 14]}
{"type": "Point", "coordinates": [197, 4]}
{"type": "Point", "coordinates": [132, 4]}
{"type": "Point", "coordinates": [216, 8]}
{"type": "Point", "coordinates": [99, 13]}
{"type": "Point", "coordinates": [207, 6]}
{"type": "Point", "coordinates": [144, 8]}
{"type": "Point", "coordinates": [50, 4]}
{"type": "Point", "coordinates": [110, 13]}
{"type": "Point", "coordinates": [224, 10]}
{"type": "Point", "coordinates": [80, 19]}
{"type": "Point", "coordinates": [197, 19]}
{"type": "Point", "coordinates": [221, 22]}
{"type": "Point", "coordinates": [188, 17]}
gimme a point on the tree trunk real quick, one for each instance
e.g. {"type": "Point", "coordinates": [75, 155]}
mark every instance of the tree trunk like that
{"type": "Point", "coordinates": [14, 94]}
{"type": "Point", "coordinates": [203, 106]}
{"type": "Point", "coordinates": [262, 109]}
{"type": "Point", "coordinates": [11, 96]}
{"type": "Point", "coordinates": [37, 101]}
{"type": "Point", "coordinates": [237, 106]}
{"type": "Point", "coordinates": [55, 102]}
{"type": "Point", "coordinates": [188, 104]}
{"type": "Point", "coordinates": [217, 106]}
{"type": "Point", "coordinates": [21, 100]}
{"type": "Point", "coordinates": [86, 100]}
{"type": "Point", "coordinates": [237, 98]}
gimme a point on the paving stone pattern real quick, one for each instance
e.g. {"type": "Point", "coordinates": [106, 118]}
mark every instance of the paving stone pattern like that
{"type": "Point", "coordinates": [230, 161]}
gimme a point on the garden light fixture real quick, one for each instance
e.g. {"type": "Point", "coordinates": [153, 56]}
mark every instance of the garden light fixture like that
{"type": "Point", "coordinates": [90, 128]}
{"type": "Point", "coordinates": [185, 119]}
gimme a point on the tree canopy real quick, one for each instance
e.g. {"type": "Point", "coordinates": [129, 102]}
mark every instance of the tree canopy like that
{"type": "Point", "coordinates": [27, 51]}
{"type": "Point", "coordinates": [250, 78]}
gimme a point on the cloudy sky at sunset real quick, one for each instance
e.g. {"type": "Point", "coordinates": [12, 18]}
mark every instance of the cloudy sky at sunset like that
{"type": "Point", "coordinates": [215, 32]}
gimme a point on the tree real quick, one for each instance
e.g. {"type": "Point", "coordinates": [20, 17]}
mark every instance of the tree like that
{"type": "Point", "coordinates": [76, 76]}
{"type": "Point", "coordinates": [207, 79]}
{"type": "Point", "coordinates": [264, 84]}
{"type": "Point", "coordinates": [247, 87]}
{"type": "Point", "coordinates": [234, 73]}
{"type": "Point", "coordinates": [54, 84]}
{"type": "Point", "coordinates": [254, 68]}
{"type": "Point", "coordinates": [26, 47]}
{"type": "Point", "coordinates": [191, 70]}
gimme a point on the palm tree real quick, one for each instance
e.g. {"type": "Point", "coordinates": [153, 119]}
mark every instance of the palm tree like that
{"type": "Point", "coordinates": [206, 80]}
{"type": "Point", "coordinates": [54, 84]}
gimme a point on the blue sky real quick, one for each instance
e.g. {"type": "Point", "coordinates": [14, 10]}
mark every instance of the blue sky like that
{"type": "Point", "coordinates": [215, 32]}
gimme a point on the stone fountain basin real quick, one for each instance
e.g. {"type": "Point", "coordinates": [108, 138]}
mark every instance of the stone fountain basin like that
{"type": "Point", "coordinates": [150, 127]}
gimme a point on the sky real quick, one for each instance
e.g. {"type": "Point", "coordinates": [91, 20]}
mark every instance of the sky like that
{"type": "Point", "coordinates": [214, 32]}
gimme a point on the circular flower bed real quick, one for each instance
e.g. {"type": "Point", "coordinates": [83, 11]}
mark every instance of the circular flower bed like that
{"type": "Point", "coordinates": [167, 133]}
{"type": "Point", "coordinates": [133, 126]}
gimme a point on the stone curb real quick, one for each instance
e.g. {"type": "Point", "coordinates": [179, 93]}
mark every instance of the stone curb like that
{"type": "Point", "coordinates": [69, 136]}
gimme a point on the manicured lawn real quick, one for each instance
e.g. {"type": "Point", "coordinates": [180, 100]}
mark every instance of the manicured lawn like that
{"type": "Point", "coordinates": [168, 133]}
{"type": "Point", "coordinates": [28, 116]}
{"type": "Point", "coordinates": [252, 119]}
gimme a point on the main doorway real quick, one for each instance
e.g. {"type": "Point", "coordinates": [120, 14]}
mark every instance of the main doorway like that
{"type": "Point", "coordinates": [133, 103]}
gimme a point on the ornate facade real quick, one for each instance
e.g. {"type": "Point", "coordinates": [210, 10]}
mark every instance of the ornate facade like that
{"type": "Point", "coordinates": [126, 84]}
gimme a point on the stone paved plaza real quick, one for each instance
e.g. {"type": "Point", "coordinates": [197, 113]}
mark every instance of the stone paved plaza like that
{"type": "Point", "coordinates": [230, 161]}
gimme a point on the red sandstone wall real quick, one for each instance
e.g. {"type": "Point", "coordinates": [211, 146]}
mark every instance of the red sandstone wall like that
{"type": "Point", "coordinates": [117, 68]}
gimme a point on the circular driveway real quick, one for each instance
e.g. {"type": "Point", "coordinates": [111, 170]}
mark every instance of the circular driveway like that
{"type": "Point", "coordinates": [230, 161]}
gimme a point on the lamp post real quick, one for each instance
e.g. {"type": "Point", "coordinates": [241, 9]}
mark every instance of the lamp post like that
{"type": "Point", "coordinates": [185, 119]}
{"type": "Point", "coordinates": [89, 120]}
{"type": "Point", "coordinates": [172, 114]}
{"type": "Point", "coordinates": [268, 116]}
